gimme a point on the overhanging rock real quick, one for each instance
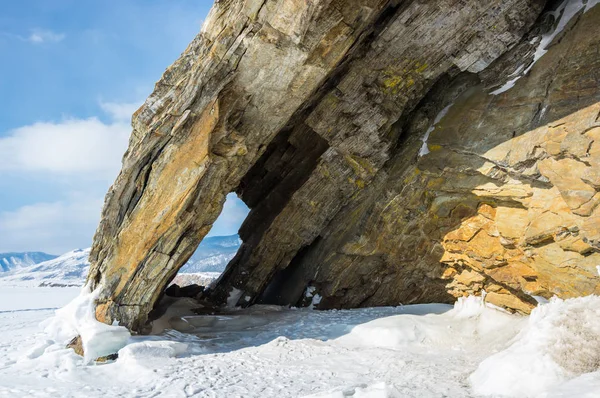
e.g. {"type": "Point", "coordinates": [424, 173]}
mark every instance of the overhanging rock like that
{"type": "Point", "coordinates": [307, 109]}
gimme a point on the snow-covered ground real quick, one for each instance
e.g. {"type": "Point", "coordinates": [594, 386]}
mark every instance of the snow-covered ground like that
{"type": "Point", "coordinates": [19, 299]}
{"type": "Point", "coordinates": [410, 351]}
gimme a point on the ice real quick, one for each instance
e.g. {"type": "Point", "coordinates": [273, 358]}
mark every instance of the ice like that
{"type": "Point", "coordinates": [560, 341]}
{"type": "Point", "coordinates": [78, 319]}
{"type": "Point", "coordinates": [315, 301]}
{"type": "Point", "coordinates": [310, 291]}
{"type": "Point", "coordinates": [28, 298]}
{"type": "Point", "coordinates": [151, 349]}
{"type": "Point", "coordinates": [591, 4]}
{"type": "Point", "coordinates": [234, 297]}
{"type": "Point", "coordinates": [427, 350]}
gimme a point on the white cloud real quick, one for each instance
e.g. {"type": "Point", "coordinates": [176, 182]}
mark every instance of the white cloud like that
{"type": "Point", "coordinates": [73, 146]}
{"type": "Point", "coordinates": [81, 153]}
{"type": "Point", "coordinates": [55, 227]}
{"type": "Point", "coordinates": [39, 36]}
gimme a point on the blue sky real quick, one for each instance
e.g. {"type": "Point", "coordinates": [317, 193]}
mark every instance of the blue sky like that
{"type": "Point", "coordinates": [72, 72]}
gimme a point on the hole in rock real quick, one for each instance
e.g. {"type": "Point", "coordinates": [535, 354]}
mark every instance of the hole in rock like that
{"type": "Point", "coordinates": [214, 252]}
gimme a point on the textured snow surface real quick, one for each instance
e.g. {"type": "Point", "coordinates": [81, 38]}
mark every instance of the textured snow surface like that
{"type": "Point", "coordinates": [267, 351]}
{"type": "Point", "coordinates": [561, 341]}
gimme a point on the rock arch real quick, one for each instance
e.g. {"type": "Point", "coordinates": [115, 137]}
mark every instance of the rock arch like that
{"type": "Point", "coordinates": [309, 110]}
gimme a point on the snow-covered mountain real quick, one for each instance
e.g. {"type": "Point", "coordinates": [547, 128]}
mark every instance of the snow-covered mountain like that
{"type": "Point", "coordinates": [70, 269]}
{"type": "Point", "coordinates": [213, 254]}
{"type": "Point", "coordinates": [12, 261]}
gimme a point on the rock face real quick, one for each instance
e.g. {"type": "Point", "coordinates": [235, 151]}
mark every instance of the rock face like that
{"type": "Point", "coordinates": [315, 113]}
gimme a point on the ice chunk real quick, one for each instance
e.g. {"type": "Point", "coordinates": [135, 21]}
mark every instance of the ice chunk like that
{"type": "Point", "coordinates": [315, 301]}
{"type": "Point", "coordinates": [234, 297]}
{"type": "Point", "coordinates": [507, 86]}
{"type": "Point", "coordinates": [151, 349]}
{"type": "Point", "coordinates": [466, 307]}
{"type": "Point", "coordinates": [79, 318]}
{"type": "Point", "coordinates": [311, 293]}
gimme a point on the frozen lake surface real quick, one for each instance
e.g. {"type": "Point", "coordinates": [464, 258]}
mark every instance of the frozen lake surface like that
{"type": "Point", "coordinates": [430, 350]}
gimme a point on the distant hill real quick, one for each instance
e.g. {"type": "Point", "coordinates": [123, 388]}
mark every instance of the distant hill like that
{"type": "Point", "coordinates": [213, 254]}
{"type": "Point", "coordinates": [13, 261]}
{"type": "Point", "coordinates": [70, 269]}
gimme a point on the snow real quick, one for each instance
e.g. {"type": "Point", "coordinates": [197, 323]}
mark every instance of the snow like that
{"type": "Point", "coordinates": [565, 11]}
{"type": "Point", "coordinates": [213, 254]}
{"type": "Point", "coordinates": [316, 300]}
{"type": "Point", "coordinates": [427, 350]}
{"type": "Point", "coordinates": [234, 297]}
{"type": "Point", "coordinates": [507, 86]}
{"type": "Point", "coordinates": [379, 390]}
{"type": "Point", "coordinates": [135, 352]}
{"type": "Point", "coordinates": [197, 278]}
{"type": "Point", "coordinates": [13, 261]}
{"type": "Point", "coordinates": [560, 341]}
{"type": "Point", "coordinates": [455, 328]}
{"type": "Point", "coordinates": [70, 269]}
{"type": "Point", "coordinates": [311, 293]}
{"type": "Point", "coordinates": [424, 148]}
{"type": "Point", "coordinates": [78, 319]}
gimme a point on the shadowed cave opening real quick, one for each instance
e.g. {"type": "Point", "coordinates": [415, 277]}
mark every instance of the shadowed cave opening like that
{"type": "Point", "coordinates": [247, 214]}
{"type": "Point", "coordinates": [214, 252]}
{"type": "Point", "coordinates": [267, 188]}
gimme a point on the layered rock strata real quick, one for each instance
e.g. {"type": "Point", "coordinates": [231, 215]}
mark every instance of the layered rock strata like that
{"type": "Point", "coordinates": [315, 113]}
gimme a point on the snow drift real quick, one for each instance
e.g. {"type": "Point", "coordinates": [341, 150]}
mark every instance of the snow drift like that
{"type": "Point", "coordinates": [560, 341]}
{"type": "Point", "coordinates": [78, 319]}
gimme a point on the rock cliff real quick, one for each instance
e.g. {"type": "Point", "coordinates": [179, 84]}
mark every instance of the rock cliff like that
{"type": "Point", "coordinates": [390, 152]}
